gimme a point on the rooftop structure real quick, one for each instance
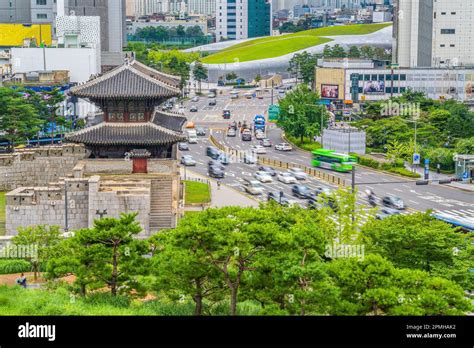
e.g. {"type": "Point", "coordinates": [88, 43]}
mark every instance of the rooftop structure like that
{"type": "Point", "coordinates": [128, 96]}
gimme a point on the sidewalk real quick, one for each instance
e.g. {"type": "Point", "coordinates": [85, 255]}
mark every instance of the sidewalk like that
{"type": "Point", "coordinates": [433, 175]}
{"type": "Point", "coordinates": [462, 186]}
{"type": "Point", "coordinates": [225, 196]}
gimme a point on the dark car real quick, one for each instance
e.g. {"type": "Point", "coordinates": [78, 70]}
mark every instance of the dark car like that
{"type": "Point", "coordinates": [215, 163]}
{"type": "Point", "coordinates": [246, 136]}
{"type": "Point", "coordinates": [301, 191]}
{"type": "Point", "coordinates": [183, 146]}
{"type": "Point", "coordinates": [268, 170]}
{"type": "Point", "coordinates": [193, 109]}
{"type": "Point", "coordinates": [201, 132]}
{"type": "Point", "coordinates": [216, 172]}
{"type": "Point", "coordinates": [393, 202]}
{"type": "Point", "coordinates": [213, 152]}
{"type": "Point", "coordinates": [278, 197]}
{"type": "Point", "coordinates": [212, 102]}
{"type": "Point", "coordinates": [315, 203]}
{"type": "Point", "coordinates": [226, 114]}
{"type": "Point", "coordinates": [385, 213]}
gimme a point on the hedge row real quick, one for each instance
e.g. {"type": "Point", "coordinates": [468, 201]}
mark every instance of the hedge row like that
{"type": "Point", "coordinates": [14, 266]}
{"type": "Point", "coordinates": [397, 167]}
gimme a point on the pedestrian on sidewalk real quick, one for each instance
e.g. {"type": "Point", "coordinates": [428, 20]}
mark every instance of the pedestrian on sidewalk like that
{"type": "Point", "coordinates": [218, 184]}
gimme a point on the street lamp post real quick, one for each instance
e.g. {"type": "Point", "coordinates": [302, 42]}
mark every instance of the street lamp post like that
{"type": "Point", "coordinates": [66, 222]}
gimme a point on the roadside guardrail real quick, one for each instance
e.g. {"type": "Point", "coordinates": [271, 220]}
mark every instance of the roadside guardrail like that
{"type": "Point", "coordinates": [239, 155]}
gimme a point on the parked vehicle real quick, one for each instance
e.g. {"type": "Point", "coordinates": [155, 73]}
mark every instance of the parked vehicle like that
{"type": "Point", "coordinates": [301, 191]}
{"type": "Point", "coordinates": [393, 202]}
{"type": "Point", "coordinates": [263, 176]}
{"type": "Point", "coordinates": [268, 170]}
{"type": "Point", "coordinates": [253, 187]}
{"type": "Point", "coordinates": [298, 173]}
{"type": "Point", "coordinates": [216, 172]}
{"type": "Point", "coordinates": [188, 160]}
{"type": "Point", "coordinates": [283, 147]}
{"type": "Point", "coordinates": [287, 178]}
{"type": "Point", "coordinates": [183, 147]}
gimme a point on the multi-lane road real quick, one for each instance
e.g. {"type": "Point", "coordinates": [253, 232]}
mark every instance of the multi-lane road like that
{"type": "Point", "coordinates": [434, 196]}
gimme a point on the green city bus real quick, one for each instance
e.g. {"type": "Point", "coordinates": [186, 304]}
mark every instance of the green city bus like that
{"type": "Point", "coordinates": [330, 159]}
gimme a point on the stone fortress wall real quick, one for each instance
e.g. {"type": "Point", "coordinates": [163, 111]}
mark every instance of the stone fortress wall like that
{"type": "Point", "coordinates": [41, 178]}
{"type": "Point", "coordinates": [38, 166]}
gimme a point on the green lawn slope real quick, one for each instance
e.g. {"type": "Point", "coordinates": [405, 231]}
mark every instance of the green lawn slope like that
{"type": "Point", "coordinates": [276, 46]}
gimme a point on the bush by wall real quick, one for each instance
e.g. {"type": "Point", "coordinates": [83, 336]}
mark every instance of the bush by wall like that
{"type": "Point", "coordinates": [14, 266]}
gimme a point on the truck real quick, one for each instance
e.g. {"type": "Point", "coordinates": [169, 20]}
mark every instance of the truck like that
{"type": "Point", "coordinates": [192, 136]}
{"type": "Point", "coordinates": [259, 123]}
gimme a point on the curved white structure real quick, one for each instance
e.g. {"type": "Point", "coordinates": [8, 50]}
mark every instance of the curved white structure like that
{"type": "Point", "coordinates": [248, 70]}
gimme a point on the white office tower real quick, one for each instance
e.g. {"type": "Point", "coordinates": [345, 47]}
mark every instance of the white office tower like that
{"type": "Point", "coordinates": [429, 33]}
{"type": "Point", "coordinates": [204, 7]}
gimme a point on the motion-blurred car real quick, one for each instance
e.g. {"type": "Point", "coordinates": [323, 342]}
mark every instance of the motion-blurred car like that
{"type": "Point", "coordinates": [224, 159]}
{"type": "Point", "coordinates": [193, 109]}
{"type": "Point", "coordinates": [266, 142]}
{"type": "Point", "coordinates": [215, 163]}
{"type": "Point", "coordinates": [212, 102]}
{"type": "Point", "coordinates": [323, 190]}
{"type": "Point", "coordinates": [259, 135]}
{"type": "Point", "coordinates": [278, 197]}
{"type": "Point", "coordinates": [259, 149]}
{"type": "Point", "coordinates": [216, 172]}
{"type": "Point", "coordinates": [195, 99]}
{"type": "Point", "coordinates": [283, 147]}
{"type": "Point", "coordinates": [212, 152]}
{"type": "Point", "coordinates": [246, 135]}
{"type": "Point", "coordinates": [248, 159]}
{"type": "Point", "coordinates": [201, 132]}
{"type": "Point", "coordinates": [298, 173]}
{"type": "Point", "coordinates": [253, 187]}
{"type": "Point", "coordinates": [268, 170]}
{"type": "Point", "coordinates": [231, 132]}
{"type": "Point", "coordinates": [286, 178]}
{"type": "Point", "coordinates": [188, 160]}
{"type": "Point", "coordinates": [385, 213]}
{"type": "Point", "coordinates": [301, 191]}
{"type": "Point", "coordinates": [183, 146]}
{"type": "Point", "coordinates": [393, 202]}
{"type": "Point", "coordinates": [263, 176]}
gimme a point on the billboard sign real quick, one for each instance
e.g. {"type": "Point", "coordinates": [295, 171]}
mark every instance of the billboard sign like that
{"type": "Point", "coordinates": [374, 87]}
{"type": "Point", "coordinates": [330, 91]}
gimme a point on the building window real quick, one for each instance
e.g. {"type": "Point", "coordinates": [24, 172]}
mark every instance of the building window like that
{"type": "Point", "coordinates": [403, 77]}
{"type": "Point", "coordinates": [41, 16]}
{"type": "Point", "coordinates": [448, 31]}
{"type": "Point", "coordinates": [442, 45]}
{"type": "Point", "coordinates": [41, 2]}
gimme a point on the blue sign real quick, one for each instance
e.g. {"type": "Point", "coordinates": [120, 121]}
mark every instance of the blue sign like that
{"type": "Point", "coordinates": [416, 158]}
{"type": "Point", "coordinates": [427, 161]}
{"type": "Point", "coordinates": [465, 175]}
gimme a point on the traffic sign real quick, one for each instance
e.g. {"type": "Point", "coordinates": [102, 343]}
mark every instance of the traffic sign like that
{"type": "Point", "coordinates": [427, 161]}
{"type": "Point", "coordinates": [416, 158]}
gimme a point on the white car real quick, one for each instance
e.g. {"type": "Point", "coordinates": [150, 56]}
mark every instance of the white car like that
{"type": "Point", "coordinates": [298, 173]}
{"type": "Point", "coordinates": [283, 147]}
{"type": "Point", "coordinates": [259, 135]}
{"type": "Point", "coordinates": [195, 99]}
{"type": "Point", "coordinates": [259, 150]}
{"type": "Point", "coordinates": [263, 176]}
{"type": "Point", "coordinates": [287, 178]}
{"type": "Point", "coordinates": [266, 142]}
{"type": "Point", "coordinates": [253, 187]}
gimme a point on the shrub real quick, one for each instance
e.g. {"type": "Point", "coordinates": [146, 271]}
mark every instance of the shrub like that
{"type": "Point", "coordinates": [369, 162]}
{"type": "Point", "coordinates": [14, 266]}
{"type": "Point", "coordinates": [404, 172]}
{"type": "Point", "coordinates": [100, 298]}
{"type": "Point", "coordinates": [307, 144]}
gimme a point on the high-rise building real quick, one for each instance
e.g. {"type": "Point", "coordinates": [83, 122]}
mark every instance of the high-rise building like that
{"type": "Point", "coordinates": [204, 7]}
{"type": "Point", "coordinates": [430, 33]}
{"type": "Point", "coordinates": [236, 20]}
{"type": "Point", "coordinates": [113, 30]}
